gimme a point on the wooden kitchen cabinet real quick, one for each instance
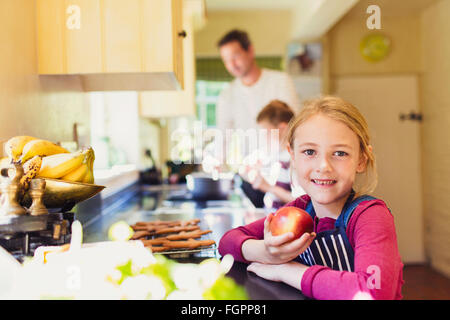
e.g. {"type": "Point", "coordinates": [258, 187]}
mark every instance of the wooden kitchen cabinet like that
{"type": "Point", "coordinates": [161, 104]}
{"type": "Point", "coordinates": [112, 44]}
{"type": "Point", "coordinates": [123, 35]}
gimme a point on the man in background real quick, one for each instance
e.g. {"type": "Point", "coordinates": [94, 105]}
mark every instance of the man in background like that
{"type": "Point", "coordinates": [251, 89]}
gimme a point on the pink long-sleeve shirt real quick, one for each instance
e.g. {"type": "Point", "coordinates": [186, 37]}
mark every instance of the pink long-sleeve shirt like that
{"type": "Point", "coordinates": [371, 232]}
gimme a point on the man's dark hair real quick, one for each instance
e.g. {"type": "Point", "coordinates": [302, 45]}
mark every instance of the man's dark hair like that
{"type": "Point", "coordinates": [236, 35]}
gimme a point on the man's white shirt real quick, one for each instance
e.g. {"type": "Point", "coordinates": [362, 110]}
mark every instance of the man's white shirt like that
{"type": "Point", "coordinates": [239, 105]}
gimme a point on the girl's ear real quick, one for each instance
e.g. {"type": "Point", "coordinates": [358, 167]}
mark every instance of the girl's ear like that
{"type": "Point", "coordinates": [363, 161]}
{"type": "Point", "coordinates": [289, 149]}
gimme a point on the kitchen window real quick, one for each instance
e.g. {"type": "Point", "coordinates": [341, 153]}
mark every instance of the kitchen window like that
{"type": "Point", "coordinates": [206, 100]}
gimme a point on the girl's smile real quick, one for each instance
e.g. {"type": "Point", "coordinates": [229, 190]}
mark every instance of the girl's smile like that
{"type": "Point", "coordinates": [323, 182]}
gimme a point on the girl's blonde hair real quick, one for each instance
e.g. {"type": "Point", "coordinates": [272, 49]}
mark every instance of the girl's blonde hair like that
{"type": "Point", "coordinates": [343, 111]}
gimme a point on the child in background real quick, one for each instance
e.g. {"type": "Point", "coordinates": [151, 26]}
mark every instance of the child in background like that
{"type": "Point", "coordinates": [276, 116]}
{"type": "Point", "coordinates": [353, 250]}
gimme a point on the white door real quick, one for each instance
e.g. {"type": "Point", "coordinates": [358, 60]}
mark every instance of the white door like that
{"type": "Point", "coordinates": [381, 99]}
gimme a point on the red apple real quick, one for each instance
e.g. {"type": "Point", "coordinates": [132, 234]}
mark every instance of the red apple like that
{"type": "Point", "coordinates": [291, 219]}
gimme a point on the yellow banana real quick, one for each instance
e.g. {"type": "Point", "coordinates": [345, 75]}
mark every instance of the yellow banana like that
{"type": "Point", "coordinates": [30, 170]}
{"type": "Point", "coordinates": [32, 165]}
{"type": "Point", "coordinates": [58, 165]}
{"type": "Point", "coordinates": [84, 172]}
{"type": "Point", "coordinates": [41, 148]}
{"type": "Point", "coordinates": [15, 145]}
{"type": "Point", "coordinates": [78, 174]}
{"type": "Point", "coordinates": [89, 177]}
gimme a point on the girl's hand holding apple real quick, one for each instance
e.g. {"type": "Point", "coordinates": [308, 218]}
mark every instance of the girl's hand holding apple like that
{"type": "Point", "coordinates": [286, 236]}
{"type": "Point", "coordinates": [284, 247]}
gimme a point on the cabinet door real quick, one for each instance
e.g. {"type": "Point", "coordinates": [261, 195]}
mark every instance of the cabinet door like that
{"type": "Point", "coordinates": [114, 44]}
{"type": "Point", "coordinates": [157, 104]}
{"type": "Point", "coordinates": [50, 22]}
{"type": "Point", "coordinates": [69, 36]}
{"type": "Point", "coordinates": [157, 36]}
{"type": "Point", "coordinates": [178, 39]}
{"type": "Point", "coordinates": [83, 38]}
{"type": "Point", "coordinates": [142, 36]}
{"type": "Point", "coordinates": [122, 35]}
{"type": "Point", "coordinates": [162, 46]}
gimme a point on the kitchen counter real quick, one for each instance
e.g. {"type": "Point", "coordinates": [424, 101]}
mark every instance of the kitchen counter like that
{"type": "Point", "coordinates": [147, 203]}
{"type": "Point", "coordinates": [116, 179]}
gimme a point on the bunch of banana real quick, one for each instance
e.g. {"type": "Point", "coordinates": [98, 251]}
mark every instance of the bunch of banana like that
{"type": "Point", "coordinates": [75, 167]}
{"type": "Point", "coordinates": [23, 148]}
{"type": "Point", "coordinates": [42, 158]}
{"type": "Point", "coordinates": [85, 172]}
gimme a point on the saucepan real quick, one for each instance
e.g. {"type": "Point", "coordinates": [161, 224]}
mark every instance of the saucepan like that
{"type": "Point", "coordinates": [206, 186]}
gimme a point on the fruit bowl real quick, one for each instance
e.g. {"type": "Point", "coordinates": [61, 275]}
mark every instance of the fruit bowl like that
{"type": "Point", "coordinates": [64, 195]}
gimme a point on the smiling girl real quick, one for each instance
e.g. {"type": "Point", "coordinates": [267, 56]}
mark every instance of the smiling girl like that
{"type": "Point", "coordinates": [353, 251]}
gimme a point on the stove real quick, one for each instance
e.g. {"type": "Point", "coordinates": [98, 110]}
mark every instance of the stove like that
{"type": "Point", "coordinates": [23, 230]}
{"type": "Point", "coordinates": [21, 235]}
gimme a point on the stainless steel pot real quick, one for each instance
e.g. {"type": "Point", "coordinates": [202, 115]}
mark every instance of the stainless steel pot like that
{"type": "Point", "coordinates": [204, 186]}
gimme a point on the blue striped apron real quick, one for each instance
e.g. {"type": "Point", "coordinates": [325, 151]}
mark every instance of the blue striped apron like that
{"type": "Point", "coordinates": [332, 248]}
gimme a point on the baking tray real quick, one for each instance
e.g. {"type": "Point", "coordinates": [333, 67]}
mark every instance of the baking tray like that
{"type": "Point", "coordinates": [184, 253]}
{"type": "Point", "coordinates": [208, 251]}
